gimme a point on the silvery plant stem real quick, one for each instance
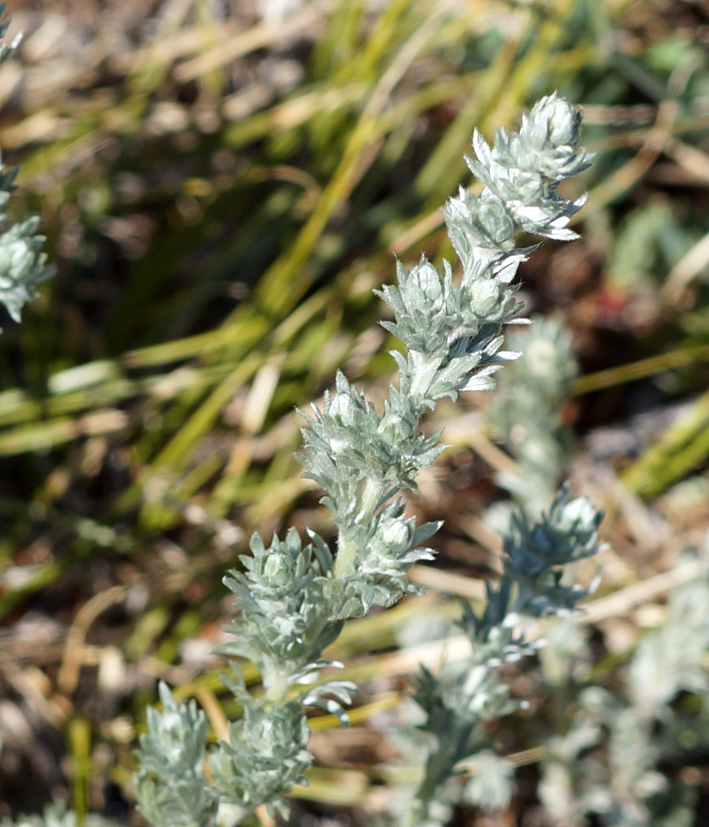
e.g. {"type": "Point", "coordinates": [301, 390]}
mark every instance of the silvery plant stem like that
{"type": "Point", "coordinates": [294, 594]}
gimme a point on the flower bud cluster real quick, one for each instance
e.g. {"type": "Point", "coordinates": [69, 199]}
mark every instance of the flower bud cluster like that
{"type": "Point", "coordinates": [521, 174]}
{"type": "Point", "coordinates": [171, 784]}
{"type": "Point", "coordinates": [266, 755]}
{"type": "Point", "coordinates": [348, 442]}
{"type": "Point", "coordinates": [567, 533]}
{"type": "Point", "coordinates": [457, 313]}
{"type": "Point", "coordinates": [286, 613]}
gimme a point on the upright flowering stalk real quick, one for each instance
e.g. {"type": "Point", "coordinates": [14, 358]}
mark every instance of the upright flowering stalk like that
{"type": "Point", "coordinates": [293, 598]}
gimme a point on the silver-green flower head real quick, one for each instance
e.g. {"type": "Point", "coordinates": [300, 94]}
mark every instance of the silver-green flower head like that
{"type": "Point", "coordinates": [548, 140]}
{"type": "Point", "coordinates": [342, 408]}
{"type": "Point", "coordinates": [425, 287]}
{"type": "Point", "coordinates": [567, 532]}
{"type": "Point", "coordinates": [560, 119]}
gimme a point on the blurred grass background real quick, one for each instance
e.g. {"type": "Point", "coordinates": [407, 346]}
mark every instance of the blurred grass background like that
{"type": "Point", "coordinates": [222, 184]}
